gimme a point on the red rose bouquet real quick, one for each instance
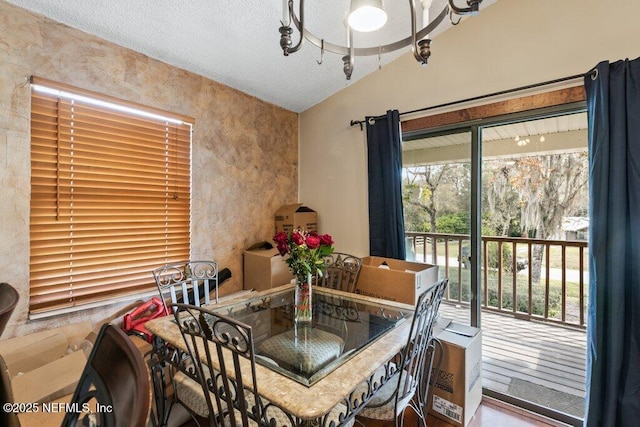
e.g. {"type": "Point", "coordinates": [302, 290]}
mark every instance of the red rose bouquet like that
{"type": "Point", "coordinates": [306, 252]}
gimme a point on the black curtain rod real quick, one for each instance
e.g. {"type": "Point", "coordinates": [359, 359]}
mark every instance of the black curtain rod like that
{"type": "Point", "coordinates": [475, 98]}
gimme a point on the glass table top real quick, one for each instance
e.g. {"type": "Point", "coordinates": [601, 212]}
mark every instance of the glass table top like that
{"type": "Point", "coordinates": [306, 352]}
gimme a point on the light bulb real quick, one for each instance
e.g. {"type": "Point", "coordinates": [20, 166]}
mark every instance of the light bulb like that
{"type": "Point", "coordinates": [367, 15]}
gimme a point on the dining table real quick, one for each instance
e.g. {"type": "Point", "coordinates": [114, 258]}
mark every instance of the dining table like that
{"type": "Point", "coordinates": [305, 368]}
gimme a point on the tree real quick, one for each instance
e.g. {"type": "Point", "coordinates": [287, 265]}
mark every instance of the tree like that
{"type": "Point", "coordinates": [422, 194]}
{"type": "Point", "coordinates": [521, 195]}
{"type": "Point", "coordinates": [546, 188]}
{"type": "Point", "coordinates": [414, 218]}
{"type": "Point", "coordinates": [499, 197]}
{"type": "Point", "coordinates": [454, 223]}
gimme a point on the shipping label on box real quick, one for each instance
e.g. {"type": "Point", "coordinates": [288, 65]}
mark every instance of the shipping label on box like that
{"type": "Point", "coordinates": [296, 216]}
{"type": "Point", "coordinates": [457, 386]}
{"type": "Point", "coordinates": [394, 279]}
{"type": "Point", "coordinates": [448, 409]}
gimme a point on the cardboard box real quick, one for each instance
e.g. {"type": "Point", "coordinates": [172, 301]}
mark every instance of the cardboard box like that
{"type": "Point", "coordinates": [45, 419]}
{"type": "Point", "coordinates": [73, 332]}
{"type": "Point", "coordinates": [292, 217]}
{"type": "Point", "coordinates": [50, 381]}
{"type": "Point", "coordinates": [394, 279]}
{"type": "Point", "coordinates": [42, 366]}
{"type": "Point", "coordinates": [264, 268]}
{"type": "Point", "coordinates": [457, 387]}
{"type": "Point", "coordinates": [32, 356]}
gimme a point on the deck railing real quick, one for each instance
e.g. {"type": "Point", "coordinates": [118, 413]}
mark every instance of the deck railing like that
{"type": "Point", "coordinates": [547, 279]}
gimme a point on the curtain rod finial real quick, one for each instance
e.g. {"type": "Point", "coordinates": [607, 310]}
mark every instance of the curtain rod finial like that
{"type": "Point", "coordinates": [357, 122]}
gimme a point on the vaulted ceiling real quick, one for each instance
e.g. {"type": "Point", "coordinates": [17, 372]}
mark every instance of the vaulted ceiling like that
{"type": "Point", "coordinates": [237, 43]}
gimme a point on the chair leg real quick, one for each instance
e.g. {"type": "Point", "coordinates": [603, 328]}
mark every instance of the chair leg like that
{"type": "Point", "coordinates": [424, 393]}
{"type": "Point", "coordinates": [161, 374]}
{"type": "Point", "coordinates": [418, 410]}
{"type": "Point", "coordinates": [163, 405]}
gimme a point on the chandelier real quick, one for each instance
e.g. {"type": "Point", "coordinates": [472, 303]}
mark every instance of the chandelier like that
{"type": "Point", "coordinates": [367, 16]}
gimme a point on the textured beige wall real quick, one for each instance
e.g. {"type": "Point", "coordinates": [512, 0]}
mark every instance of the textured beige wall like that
{"type": "Point", "coordinates": [244, 150]}
{"type": "Point", "coordinates": [510, 44]}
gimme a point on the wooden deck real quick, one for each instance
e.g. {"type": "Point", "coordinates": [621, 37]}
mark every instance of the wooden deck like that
{"type": "Point", "coordinates": [540, 362]}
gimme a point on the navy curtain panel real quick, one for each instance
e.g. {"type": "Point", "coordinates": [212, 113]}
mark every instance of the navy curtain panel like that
{"type": "Point", "coordinates": [386, 221]}
{"type": "Point", "coordinates": [613, 334]}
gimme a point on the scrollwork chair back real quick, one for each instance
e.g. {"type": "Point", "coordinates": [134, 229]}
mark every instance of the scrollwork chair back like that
{"type": "Point", "coordinates": [341, 272]}
{"type": "Point", "coordinates": [216, 340]}
{"type": "Point", "coordinates": [189, 282]}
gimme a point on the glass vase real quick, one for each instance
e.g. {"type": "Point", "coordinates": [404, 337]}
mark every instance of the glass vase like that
{"type": "Point", "coordinates": [303, 303]}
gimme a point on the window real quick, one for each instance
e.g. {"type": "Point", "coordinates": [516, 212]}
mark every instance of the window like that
{"type": "Point", "coordinates": [110, 196]}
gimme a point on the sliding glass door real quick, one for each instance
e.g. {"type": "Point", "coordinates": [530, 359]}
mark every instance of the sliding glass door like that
{"type": "Point", "coordinates": [437, 203]}
{"type": "Point", "coordinates": [534, 260]}
{"type": "Point", "coordinates": [501, 207]}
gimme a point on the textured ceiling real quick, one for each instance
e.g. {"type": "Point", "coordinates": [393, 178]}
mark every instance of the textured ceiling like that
{"type": "Point", "coordinates": [236, 42]}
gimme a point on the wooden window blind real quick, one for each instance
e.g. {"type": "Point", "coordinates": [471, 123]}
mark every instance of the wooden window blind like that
{"type": "Point", "coordinates": [110, 196]}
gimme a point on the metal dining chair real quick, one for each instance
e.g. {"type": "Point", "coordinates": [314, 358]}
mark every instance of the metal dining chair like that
{"type": "Point", "coordinates": [188, 282]}
{"type": "Point", "coordinates": [335, 315]}
{"type": "Point", "coordinates": [115, 377]}
{"type": "Point", "coordinates": [214, 339]}
{"type": "Point", "coordinates": [341, 272]}
{"type": "Point", "coordinates": [323, 339]}
{"type": "Point", "coordinates": [402, 389]}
